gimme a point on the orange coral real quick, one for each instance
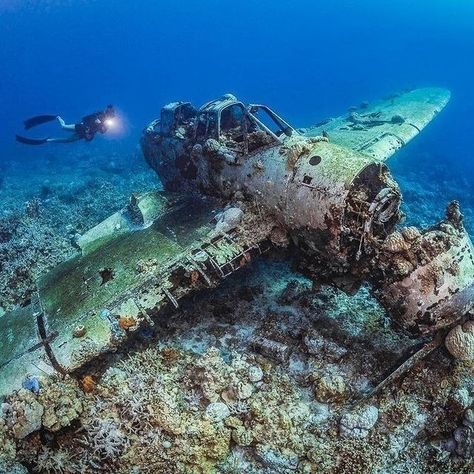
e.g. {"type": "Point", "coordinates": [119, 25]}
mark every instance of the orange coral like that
{"type": "Point", "coordinates": [127, 322]}
{"type": "Point", "coordinates": [169, 354]}
{"type": "Point", "coordinates": [88, 383]}
{"type": "Point", "coordinates": [246, 257]}
{"type": "Point", "coordinates": [194, 277]}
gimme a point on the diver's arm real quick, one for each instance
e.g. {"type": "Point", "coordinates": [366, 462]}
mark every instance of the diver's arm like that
{"type": "Point", "coordinates": [64, 125]}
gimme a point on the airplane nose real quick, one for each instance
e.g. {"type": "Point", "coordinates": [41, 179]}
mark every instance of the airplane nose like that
{"type": "Point", "coordinates": [372, 209]}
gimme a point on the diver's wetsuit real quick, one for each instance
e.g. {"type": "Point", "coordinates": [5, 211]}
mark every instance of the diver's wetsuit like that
{"type": "Point", "coordinates": [90, 125]}
{"type": "Point", "coordinates": [85, 129]}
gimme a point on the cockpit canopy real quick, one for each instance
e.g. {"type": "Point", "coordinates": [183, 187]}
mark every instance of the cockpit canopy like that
{"type": "Point", "coordinates": [227, 120]}
{"type": "Point", "coordinates": [175, 115]}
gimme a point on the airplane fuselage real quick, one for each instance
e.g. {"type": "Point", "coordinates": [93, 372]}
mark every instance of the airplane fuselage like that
{"type": "Point", "coordinates": [338, 205]}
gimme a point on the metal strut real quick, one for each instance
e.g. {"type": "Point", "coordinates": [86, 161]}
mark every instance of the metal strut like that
{"type": "Point", "coordinates": [171, 297]}
{"type": "Point", "coordinates": [45, 340]}
{"type": "Point", "coordinates": [197, 265]}
{"type": "Point", "coordinates": [424, 351]}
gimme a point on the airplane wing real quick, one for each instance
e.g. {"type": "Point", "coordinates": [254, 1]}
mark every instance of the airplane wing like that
{"type": "Point", "coordinates": [87, 305]}
{"type": "Point", "coordinates": [381, 128]}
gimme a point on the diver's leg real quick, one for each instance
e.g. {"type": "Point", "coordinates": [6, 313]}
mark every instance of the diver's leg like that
{"type": "Point", "coordinates": [73, 138]}
{"type": "Point", "coordinates": [64, 125]}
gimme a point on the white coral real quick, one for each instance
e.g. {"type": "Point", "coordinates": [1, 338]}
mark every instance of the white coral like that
{"type": "Point", "coordinates": [22, 413]}
{"type": "Point", "coordinates": [238, 407]}
{"type": "Point", "coordinates": [358, 423]}
{"type": "Point", "coordinates": [255, 373]}
{"type": "Point", "coordinates": [460, 341]}
{"type": "Point", "coordinates": [217, 411]}
{"type": "Point", "coordinates": [106, 438]}
{"type": "Point", "coordinates": [58, 462]}
{"type": "Point", "coordinates": [135, 408]}
{"type": "Point", "coordinates": [235, 464]}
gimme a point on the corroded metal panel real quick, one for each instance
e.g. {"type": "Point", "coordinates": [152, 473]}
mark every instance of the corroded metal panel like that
{"type": "Point", "coordinates": [86, 284]}
{"type": "Point", "coordinates": [21, 349]}
{"type": "Point", "coordinates": [87, 305]}
{"type": "Point", "coordinates": [318, 192]}
{"type": "Point", "coordinates": [82, 292]}
{"type": "Point", "coordinates": [89, 291]}
{"type": "Point", "coordinates": [143, 210]}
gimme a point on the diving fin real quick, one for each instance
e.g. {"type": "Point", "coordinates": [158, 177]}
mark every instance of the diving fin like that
{"type": "Point", "coordinates": [31, 141]}
{"type": "Point", "coordinates": [38, 120]}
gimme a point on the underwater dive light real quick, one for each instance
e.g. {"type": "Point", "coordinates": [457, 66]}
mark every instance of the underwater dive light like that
{"type": "Point", "coordinates": [110, 123]}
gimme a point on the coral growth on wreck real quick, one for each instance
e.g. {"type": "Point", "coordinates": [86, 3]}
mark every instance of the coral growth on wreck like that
{"type": "Point", "coordinates": [202, 397]}
{"type": "Point", "coordinates": [263, 378]}
{"type": "Point", "coordinates": [42, 215]}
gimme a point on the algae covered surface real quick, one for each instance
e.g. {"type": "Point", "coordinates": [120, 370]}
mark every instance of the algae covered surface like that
{"type": "Point", "coordinates": [263, 375]}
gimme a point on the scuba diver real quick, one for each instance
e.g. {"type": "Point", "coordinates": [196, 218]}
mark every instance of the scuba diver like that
{"type": "Point", "coordinates": [98, 122]}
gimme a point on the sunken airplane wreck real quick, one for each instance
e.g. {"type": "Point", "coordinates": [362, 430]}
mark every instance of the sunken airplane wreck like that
{"type": "Point", "coordinates": [238, 180]}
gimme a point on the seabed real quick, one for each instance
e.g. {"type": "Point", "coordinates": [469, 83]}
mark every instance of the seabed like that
{"type": "Point", "coordinates": [267, 374]}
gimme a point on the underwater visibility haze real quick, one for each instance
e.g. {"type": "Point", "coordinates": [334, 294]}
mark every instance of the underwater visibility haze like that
{"type": "Point", "coordinates": [285, 287]}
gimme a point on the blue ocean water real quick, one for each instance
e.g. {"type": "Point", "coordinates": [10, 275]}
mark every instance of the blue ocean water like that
{"type": "Point", "coordinates": [307, 59]}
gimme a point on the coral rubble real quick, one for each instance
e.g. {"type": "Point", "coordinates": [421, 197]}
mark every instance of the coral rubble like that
{"type": "Point", "coordinates": [263, 376]}
{"type": "Point", "coordinates": [198, 396]}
